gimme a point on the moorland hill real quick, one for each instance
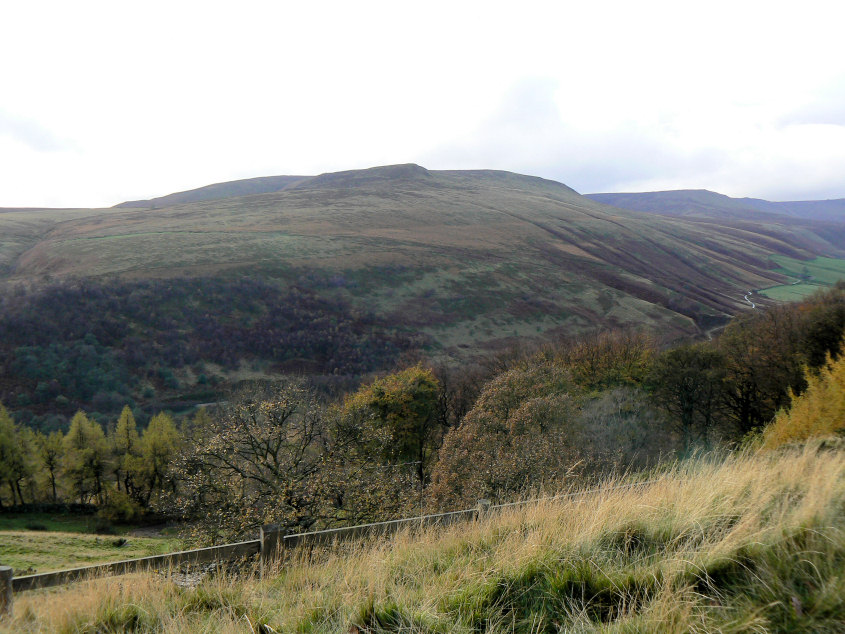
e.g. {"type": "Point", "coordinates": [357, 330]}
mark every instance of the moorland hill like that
{"type": "Point", "coordinates": [379, 262]}
{"type": "Point", "coordinates": [707, 204]}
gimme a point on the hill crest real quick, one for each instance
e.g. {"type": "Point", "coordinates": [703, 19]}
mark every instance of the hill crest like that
{"type": "Point", "coordinates": [708, 204]}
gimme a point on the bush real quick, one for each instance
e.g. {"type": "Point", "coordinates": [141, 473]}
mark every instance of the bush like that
{"type": "Point", "coordinates": [119, 508]}
{"type": "Point", "coordinates": [100, 526]}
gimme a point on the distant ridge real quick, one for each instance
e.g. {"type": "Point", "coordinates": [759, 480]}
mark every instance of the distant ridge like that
{"type": "Point", "coordinates": [373, 176]}
{"type": "Point", "coordinates": [707, 204]}
{"type": "Point", "coordinates": [218, 191]}
{"type": "Point", "coordinates": [381, 176]}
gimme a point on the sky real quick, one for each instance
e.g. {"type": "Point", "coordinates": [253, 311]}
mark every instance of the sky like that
{"type": "Point", "coordinates": [102, 102]}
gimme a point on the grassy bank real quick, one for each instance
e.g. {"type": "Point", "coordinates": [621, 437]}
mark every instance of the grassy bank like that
{"type": "Point", "coordinates": [746, 543]}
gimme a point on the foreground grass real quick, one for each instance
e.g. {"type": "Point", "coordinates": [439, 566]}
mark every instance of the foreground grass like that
{"type": "Point", "coordinates": [748, 543]}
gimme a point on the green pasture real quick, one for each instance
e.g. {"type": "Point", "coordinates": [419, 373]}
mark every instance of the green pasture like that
{"type": "Point", "coordinates": [790, 292]}
{"type": "Point", "coordinates": [824, 271]}
{"type": "Point", "coordinates": [41, 542]}
{"type": "Point", "coordinates": [36, 551]}
{"type": "Point", "coordinates": [811, 275]}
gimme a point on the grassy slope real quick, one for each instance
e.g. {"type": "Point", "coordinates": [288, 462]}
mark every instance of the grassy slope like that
{"type": "Point", "coordinates": [471, 258]}
{"type": "Point", "coordinates": [684, 202]}
{"type": "Point", "coordinates": [230, 189]}
{"type": "Point", "coordinates": [701, 202]}
{"type": "Point", "coordinates": [751, 543]}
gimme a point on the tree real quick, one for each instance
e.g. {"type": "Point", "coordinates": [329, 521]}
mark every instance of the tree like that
{"type": "Point", "coordinates": [14, 456]}
{"type": "Point", "coordinates": [824, 317]}
{"type": "Point", "coordinates": [522, 431]}
{"type": "Point", "coordinates": [158, 448]}
{"type": "Point", "coordinates": [125, 445]}
{"type": "Point", "coordinates": [817, 413]}
{"type": "Point", "coordinates": [404, 405]}
{"type": "Point", "coordinates": [51, 452]}
{"type": "Point", "coordinates": [606, 359]}
{"type": "Point", "coordinates": [86, 457]}
{"type": "Point", "coordinates": [688, 383]}
{"type": "Point", "coordinates": [621, 429]}
{"type": "Point", "coordinates": [764, 357]}
{"type": "Point", "coordinates": [256, 460]}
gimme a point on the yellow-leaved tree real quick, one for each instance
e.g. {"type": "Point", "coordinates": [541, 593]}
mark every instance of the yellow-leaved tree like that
{"type": "Point", "coordinates": [819, 411]}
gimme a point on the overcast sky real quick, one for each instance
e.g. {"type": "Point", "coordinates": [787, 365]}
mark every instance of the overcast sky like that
{"type": "Point", "coordinates": [102, 102]}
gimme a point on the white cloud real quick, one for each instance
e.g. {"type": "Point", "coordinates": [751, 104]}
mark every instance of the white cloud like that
{"type": "Point", "coordinates": [107, 101]}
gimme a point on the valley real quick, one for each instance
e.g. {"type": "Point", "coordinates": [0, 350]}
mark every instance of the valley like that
{"type": "Point", "coordinates": [451, 265]}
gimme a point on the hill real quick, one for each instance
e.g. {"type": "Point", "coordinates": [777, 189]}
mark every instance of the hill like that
{"type": "Point", "coordinates": [217, 191]}
{"type": "Point", "coordinates": [361, 266]}
{"type": "Point", "coordinates": [702, 203]}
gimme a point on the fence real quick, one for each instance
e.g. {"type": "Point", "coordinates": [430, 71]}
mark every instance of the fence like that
{"type": "Point", "coordinates": [272, 540]}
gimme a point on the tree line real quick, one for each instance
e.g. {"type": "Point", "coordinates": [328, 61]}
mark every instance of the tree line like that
{"type": "Point", "coordinates": [431, 439]}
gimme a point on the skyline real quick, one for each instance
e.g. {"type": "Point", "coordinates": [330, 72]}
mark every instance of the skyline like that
{"type": "Point", "coordinates": [105, 103]}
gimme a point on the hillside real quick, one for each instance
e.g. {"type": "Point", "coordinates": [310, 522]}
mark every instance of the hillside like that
{"type": "Point", "coordinates": [369, 222]}
{"type": "Point", "coordinates": [704, 203]}
{"type": "Point", "coordinates": [381, 261]}
{"type": "Point", "coordinates": [217, 191]}
{"type": "Point", "coordinates": [745, 543]}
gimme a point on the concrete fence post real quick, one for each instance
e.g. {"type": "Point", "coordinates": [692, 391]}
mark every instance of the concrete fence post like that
{"type": "Point", "coordinates": [6, 573]}
{"type": "Point", "coordinates": [272, 541]}
{"type": "Point", "coordinates": [482, 509]}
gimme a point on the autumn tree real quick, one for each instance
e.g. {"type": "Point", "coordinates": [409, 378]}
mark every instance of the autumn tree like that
{"type": "Point", "coordinates": [606, 359]}
{"type": "Point", "coordinates": [15, 465]}
{"type": "Point", "coordinates": [763, 360]}
{"type": "Point", "coordinates": [86, 456]}
{"type": "Point", "coordinates": [459, 388]}
{"type": "Point", "coordinates": [158, 447]}
{"type": "Point", "coordinates": [824, 324]}
{"type": "Point", "coordinates": [51, 452]}
{"type": "Point", "coordinates": [621, 429]}
{"type": "Point", "coordinates": [688, 383]}
{"type": "Point", "coordinates": [397, 415]}
{"type": "Point", "coordinates": [256, 460]}
{"type": "Point", "coordinates": [125, 445]}
{"type": "Point", "coordinates": [522, 431]}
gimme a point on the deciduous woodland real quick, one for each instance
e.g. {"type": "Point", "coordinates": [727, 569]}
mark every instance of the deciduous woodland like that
{"type": "Point", "coordinates": [414, 438]}
{"type": "Point", "coordinates": [104, 346]}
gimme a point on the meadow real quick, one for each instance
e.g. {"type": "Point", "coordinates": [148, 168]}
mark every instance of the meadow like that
{"type": "Point", "coordinates": [42, 542]}
{"type": "Point", "coordinates": [811, 275]}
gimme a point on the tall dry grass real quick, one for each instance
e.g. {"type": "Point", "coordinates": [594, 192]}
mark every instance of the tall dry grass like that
{"type": "Point", "coordinates": [752, 542]}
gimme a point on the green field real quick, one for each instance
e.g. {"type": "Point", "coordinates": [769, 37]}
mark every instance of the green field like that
{"type": "Point", "coordinates": [825, 271]}
{"type": "Point", "coordinates": [790, 292]}
{"type": "Point", "coordinates": [811, 275]}
{"type": "Point", "coordinates": [35, 551]}
{"type": "Point", "coordinates": [67, 541]}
